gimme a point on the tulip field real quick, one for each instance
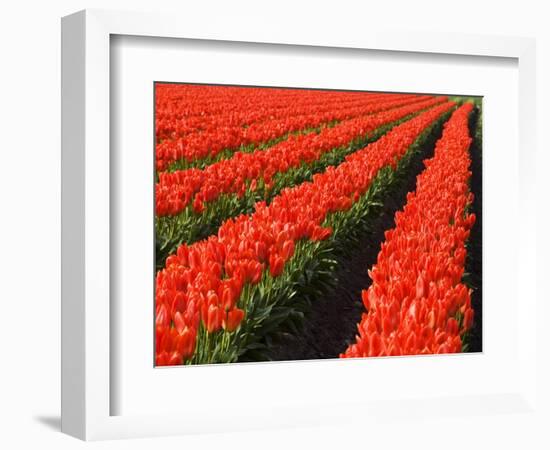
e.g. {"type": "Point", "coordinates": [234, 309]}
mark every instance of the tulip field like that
{"type": "Point", "coordinates": [296, 224]}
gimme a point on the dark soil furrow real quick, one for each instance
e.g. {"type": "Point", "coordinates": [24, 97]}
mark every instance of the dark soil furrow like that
{"type": "Point", "coordinates": [474, 263]}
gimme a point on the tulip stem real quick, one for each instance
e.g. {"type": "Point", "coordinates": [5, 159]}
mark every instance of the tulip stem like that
{"type": "Point", "coordinates": [207, 346]}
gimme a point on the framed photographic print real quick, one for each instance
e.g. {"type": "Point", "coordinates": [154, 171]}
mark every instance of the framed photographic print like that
{"type": "Point", "coordinates": [277, 243]}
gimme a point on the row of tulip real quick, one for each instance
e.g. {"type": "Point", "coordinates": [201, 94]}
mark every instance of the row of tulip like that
{"type": "Point", "coordinates": [219, 142]}
{"type": "Point", "coordinates": [191, 204]}
{"type": "Point", "coordinates": [216, 297]}
{"type": "Point", "coordinates": [184, 109]}
{"type": "Point", "coordinates": [417, 303]}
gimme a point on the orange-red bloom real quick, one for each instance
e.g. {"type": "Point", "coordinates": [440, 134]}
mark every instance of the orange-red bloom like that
{"type": "Point", "coordinates": [276, 265]}
{"type": "Point", "coordinates": [234, 319]}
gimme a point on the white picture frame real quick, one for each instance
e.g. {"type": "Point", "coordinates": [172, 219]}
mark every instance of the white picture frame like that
{"type": "Point", "coordinates": [86, 178]}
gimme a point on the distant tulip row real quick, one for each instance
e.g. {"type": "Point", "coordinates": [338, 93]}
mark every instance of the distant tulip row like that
{"type": "Point", "coordinates": [208, 143]}
{"type": "Point", "coordinates": [184, 109]}
{"type": "Point", "coordinates": [213, 296]}
{"type": "Point", "coordinates": [417, 302]}
{"type": "Point", "coordinates": [193, 106]}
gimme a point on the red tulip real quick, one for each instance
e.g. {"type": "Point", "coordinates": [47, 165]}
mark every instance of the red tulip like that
{"type": "Point", "coordinates": [420, 287]}
{"type": "Point", "coordinates": [254, 271]}
{"type": "Point", "coordinates": [365, 297]}
{"type": "Point", "coordinates": [261, 250]}
{"type": "Point", "coordinates": [186, 343]}
{"type": "Point", "coordinates": [320, 233]}
{"type": "Point", "coordinates": [288, 250]}
{"type": "Point", "coordinates": [198, 205]}
{"type": "Point", "coordinates": [228, 297]}
{"type": "Point", "coordinates": [162, 319]}
{"type": "Point", "coordinates": [172, 259]}
{"type": "Point", "coordinates": [212, 298]}
{"type": "Point", "coordinates": [168, 359]}
{"type": "Point", "coordinates": [468, 320]}
{"type": "Point", "coordinates": [214, 319]}
{"type": "Point", "coordinates": [276, 265]}
{"type": "Point", "coordinates": [179, 322]}
{"type": "Point", "coordinates": [234, 319]}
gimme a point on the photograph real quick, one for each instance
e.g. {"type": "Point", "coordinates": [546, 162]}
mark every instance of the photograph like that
{"type": "Point", "coordinates": [275, 225]}
{"type": "Point", "coordinates": [300, 224]}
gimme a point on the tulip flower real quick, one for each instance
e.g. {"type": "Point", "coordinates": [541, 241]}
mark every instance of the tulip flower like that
{"type": "Point", "coordinates": [214, 319]}
{"type": "Point", "coordinates": [276, 265]}
{"type": "Point", "coordinates": [234, 319]}
{"type": "Point", "coordinates": [288, 250]}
